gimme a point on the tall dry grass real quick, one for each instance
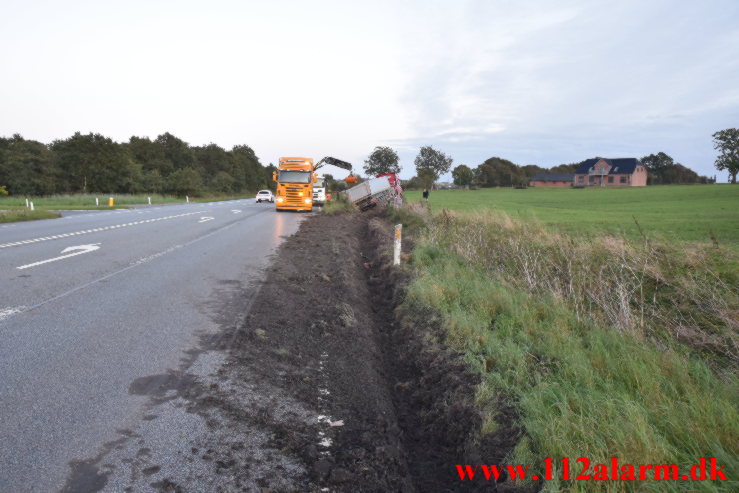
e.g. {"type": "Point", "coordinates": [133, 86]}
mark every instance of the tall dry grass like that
{"type": "Point", "coordinates": [647, 288]}
{"type": "Point", "coordinates": [599, 345]}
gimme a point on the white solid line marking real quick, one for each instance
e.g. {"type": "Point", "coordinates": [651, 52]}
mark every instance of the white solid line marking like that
{"type": "Point", "coordinates": [105, 228]}
{"type": "Point", "coordinates": [78, 250]}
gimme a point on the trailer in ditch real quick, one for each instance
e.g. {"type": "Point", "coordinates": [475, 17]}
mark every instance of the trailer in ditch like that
{"type": "Point", "coordinates": [381, 191]}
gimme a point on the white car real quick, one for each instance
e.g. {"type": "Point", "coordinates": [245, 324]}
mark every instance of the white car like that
{"type": "Point", "coordinates": [265, 196]}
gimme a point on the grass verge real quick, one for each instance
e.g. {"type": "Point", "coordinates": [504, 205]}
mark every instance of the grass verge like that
{"type": "Point", "coordinates": [603, 346]}
{"type": "Point", "coordinates": [338, 204]}
{"type": "Point", "coordinates": [12, 216]}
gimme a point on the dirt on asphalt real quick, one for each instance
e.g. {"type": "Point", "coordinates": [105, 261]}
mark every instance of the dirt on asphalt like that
{"type": "Point", "coordinates": [324, 385]}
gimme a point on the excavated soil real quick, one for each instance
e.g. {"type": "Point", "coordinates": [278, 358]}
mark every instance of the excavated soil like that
{"type": "Point", "coordinates": [323, 385]}
{"type": "Point", "coordinates": [393, 410]}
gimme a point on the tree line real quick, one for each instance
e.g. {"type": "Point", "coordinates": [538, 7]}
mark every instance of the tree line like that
{"type": "Point", "coordinates": [498, 172]}
{"type": "Point", "coordinates": [93, 163]}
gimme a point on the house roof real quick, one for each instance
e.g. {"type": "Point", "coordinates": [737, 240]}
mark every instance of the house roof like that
{"type": "Point", "coordinates": [553, 177]}
{"type": "Point", "coordinates": [625, 165]}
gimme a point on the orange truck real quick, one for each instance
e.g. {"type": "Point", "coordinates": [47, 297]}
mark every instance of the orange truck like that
{"type": "Point", "coordinates": [295, 177]}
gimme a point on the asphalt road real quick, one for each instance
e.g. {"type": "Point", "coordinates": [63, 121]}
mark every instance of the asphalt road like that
{"type": "Point", "coordinates": [132, 297]}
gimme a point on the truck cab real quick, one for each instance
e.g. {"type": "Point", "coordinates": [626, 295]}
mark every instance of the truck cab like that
{"type": "Point", "coordinates": [295, 177]}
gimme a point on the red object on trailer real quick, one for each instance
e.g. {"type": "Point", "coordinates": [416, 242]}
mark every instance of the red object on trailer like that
{"type": "Point", "coordinates": [395, 183]}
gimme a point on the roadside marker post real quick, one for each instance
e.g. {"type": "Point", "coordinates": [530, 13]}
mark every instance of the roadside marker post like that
{"type": "Point", "coordinates": [149, 200]}
{"type": "Point", "coordinates": [110, 202]}
{"type": "Point", "coordinates": [97, 202]}
{"type": "Point", "coordinates": [32, 206]}
{"type": "Point", "coordinates": [187, 198]}
{"type": "Point", "coordinates": [26, 203]}
{"type": "Point", "coordinates": [396, 250]}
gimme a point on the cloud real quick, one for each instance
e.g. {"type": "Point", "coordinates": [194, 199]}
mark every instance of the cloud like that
{"type": "Point", "coordinates": [545, 82]}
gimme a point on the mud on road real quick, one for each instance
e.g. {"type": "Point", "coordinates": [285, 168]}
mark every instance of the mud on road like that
{"type": "Point", "coordinates": [318, 387]}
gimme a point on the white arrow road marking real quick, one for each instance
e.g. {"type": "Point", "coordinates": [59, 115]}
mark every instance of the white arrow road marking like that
{"type": "Point", "coordinates": [206, 219]}
{"type": "Point", "coordinates": [236, 211]}
{"type": "Point", "coordinates": [78, 250]}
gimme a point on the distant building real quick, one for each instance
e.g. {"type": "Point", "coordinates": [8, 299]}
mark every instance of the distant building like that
{"type": "Point", "coordinates": [552, 180]}
{"type": "Point", "coordinates": [600, 172]}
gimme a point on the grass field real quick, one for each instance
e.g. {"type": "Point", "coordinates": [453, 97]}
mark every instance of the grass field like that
{"type": "Point", "coordinates": [676, 212]}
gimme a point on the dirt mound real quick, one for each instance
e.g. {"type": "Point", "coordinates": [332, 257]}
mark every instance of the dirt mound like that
{"type": "Point", "coordinates": [332, 381]}
{"type": "Point", "coordinates": [392, 410]}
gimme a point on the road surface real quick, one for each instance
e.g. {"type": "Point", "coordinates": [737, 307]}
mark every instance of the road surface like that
{"type": "Point", "coordinates": [94, 304]}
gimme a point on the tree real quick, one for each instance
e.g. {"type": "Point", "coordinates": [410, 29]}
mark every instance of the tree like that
{"type": "Point", "coordinates": [247, 171]}
{"type": "Point", "coordinates": [222, 182]}
{"type": "Point", "coordinates": [564, 168]}
{"type": "Point", "coordinates": [150, 154]}
{"type": "Point", "coordinates": [663, 170]}
{"type": "Point", "coordinates": [185, 181]}
{"type": "Point", "coordinates": [499, 172]}
{"type": "Point", "coordinates": [727, 143]}
{"type": "Point", "coordinates": [658, 166]}
{"type": "Point", "coordinates": [212, 160]}
{"type": "Point", "coordinates": [431, 164]}
{"type": "Point", "coordinates": [531, 170]}
{"type": "Point", "coordinates": [382, 160]}
{"type": "Point", "coordinates": [176, 151]}
{"type": "Point", "coordinates": [462, 175]}
{"type": "Point", "coordinates": [28, 167]}
{"type": "Point", "coordinates": [94, 163]}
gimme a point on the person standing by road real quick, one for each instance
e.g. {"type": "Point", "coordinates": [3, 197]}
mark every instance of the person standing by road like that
{"type": "Point", "coordinates": [426, 194]}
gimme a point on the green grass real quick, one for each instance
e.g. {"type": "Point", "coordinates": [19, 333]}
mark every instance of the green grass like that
{"type": "Point", "coordinates": [605, 347]}
{"type": "Point", "coordinates": [11, 216]}
{"type": "Point", "coordinates": [675, 212]}
{"type": "Point", "coordinates": [337, 204]}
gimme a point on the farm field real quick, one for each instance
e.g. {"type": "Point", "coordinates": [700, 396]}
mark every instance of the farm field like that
{"type": "Point", "coordinates": [674, 212]}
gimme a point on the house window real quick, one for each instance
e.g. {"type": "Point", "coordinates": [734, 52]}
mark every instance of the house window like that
{"type": "Point", "coordinates": [581, 179]}
{"type": "Point", "coordinates": [624, 179]}
{"type": "Point", "coordinates": [610, 179]}
{"type": "Point", "coordinates": [591, 179]}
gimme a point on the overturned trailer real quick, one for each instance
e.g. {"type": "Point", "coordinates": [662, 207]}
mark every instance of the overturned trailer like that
{"type": "Point", "coordinates": [381, 191]}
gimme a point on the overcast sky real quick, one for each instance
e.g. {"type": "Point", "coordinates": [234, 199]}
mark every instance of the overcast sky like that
{"type": "Point", "coordinates": [544, 82]}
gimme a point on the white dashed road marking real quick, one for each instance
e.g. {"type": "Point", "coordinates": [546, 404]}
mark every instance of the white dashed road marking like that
{"type": "Point", "coordinates": [95, 230]}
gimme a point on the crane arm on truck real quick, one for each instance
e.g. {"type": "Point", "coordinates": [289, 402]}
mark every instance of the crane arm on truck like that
{"type": "Point", "coordinates": [333, 161]}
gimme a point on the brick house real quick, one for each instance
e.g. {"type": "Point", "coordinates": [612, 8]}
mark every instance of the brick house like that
{"type": "Point", "coordinates": [600, 172]}
{"type": "Point", "coordinates": [552, 180]}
